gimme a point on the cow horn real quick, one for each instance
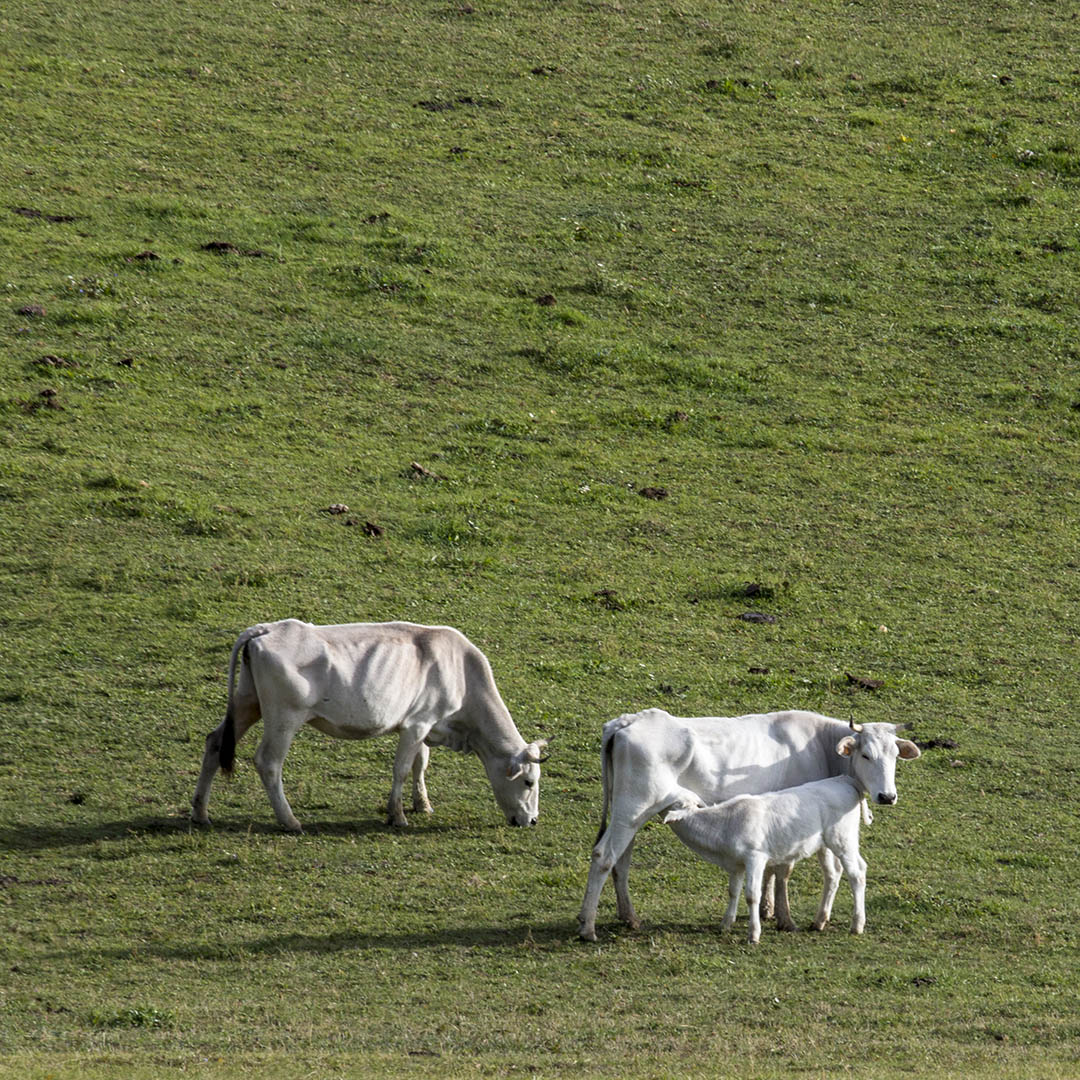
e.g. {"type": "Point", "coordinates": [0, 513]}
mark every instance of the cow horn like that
{"type": "Point", "coordinates": [539, 760]}
{"type": "Point", "coordinates": [853, 725]}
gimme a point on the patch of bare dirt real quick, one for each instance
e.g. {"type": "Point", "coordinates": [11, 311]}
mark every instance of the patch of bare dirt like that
{"type": "Point", "coordinates": [758, 617]}
{"type": "Point", "coordinates": [223, 247]}
{"type": "Point", "coordinates": [861, 682]}
{"type": "Point", "coordinates": [40, 215]}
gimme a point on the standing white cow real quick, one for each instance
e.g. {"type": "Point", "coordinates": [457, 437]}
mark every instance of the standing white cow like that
{"type": "Point", "coordinates": [652, 761]}
{"type": "Point", "coordinates": [357, 680]}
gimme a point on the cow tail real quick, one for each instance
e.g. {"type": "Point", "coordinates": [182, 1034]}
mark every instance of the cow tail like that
{"type": "Point", "coordinates": [611, 729]}
{"type": "Point", "coordinates": [605, 780]}
{"type": "Point", "coordinates": [227, 750]}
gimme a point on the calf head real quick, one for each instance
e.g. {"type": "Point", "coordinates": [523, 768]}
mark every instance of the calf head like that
{"type": "Point", "coordinates": [515, 779]}
{"type": "Point", "coordinates": [872, 751]}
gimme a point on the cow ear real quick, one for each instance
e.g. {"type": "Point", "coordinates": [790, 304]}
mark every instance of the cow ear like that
{"type": "Point", "coordinates": [514, 770]}
{"type": "Point", "coordinates": [908, 750]}
{"type": "Point", "coordinates": [846, 746]}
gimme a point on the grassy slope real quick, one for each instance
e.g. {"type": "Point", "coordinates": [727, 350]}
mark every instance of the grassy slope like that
{"type": "Point", "coordinates": [814, 274]}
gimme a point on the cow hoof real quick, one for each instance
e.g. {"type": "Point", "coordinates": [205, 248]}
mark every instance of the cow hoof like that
{"type": "Point", "coordinates": [818, 926]}
{"type": "Point", "coordinates": [587, 935]}
{"type": "Point", "coordinates": [397, 823]}
{"type": "Point", "coordinates": [787, 928]}
{"type": "Point", "coordinates": [203, 822]}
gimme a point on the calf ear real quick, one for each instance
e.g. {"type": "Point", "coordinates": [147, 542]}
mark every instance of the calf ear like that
{"type": "Point", "coordinates": [908, 749]}
{"type": "Point", "coordinates": [846, 746]}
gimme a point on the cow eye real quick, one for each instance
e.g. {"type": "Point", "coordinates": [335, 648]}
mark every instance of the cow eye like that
{"type": "Point", "coordinates": [866, 757]}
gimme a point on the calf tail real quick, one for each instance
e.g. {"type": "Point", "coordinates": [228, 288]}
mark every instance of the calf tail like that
{"type": "Point", "coordinates": [227, 750]}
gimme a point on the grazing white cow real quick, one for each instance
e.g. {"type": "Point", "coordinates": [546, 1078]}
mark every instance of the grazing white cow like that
{"type": "Point", "coordinates": [652, 761]}
{"type": "Point", "coordinates": [748, 834]}
{"type": "Point", "coordinates": [356, 680]}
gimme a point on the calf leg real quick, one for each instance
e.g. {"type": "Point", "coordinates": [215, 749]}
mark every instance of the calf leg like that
{"type": "Point", "coordinates": [277, 738]}
{"type": "Point", "coordinates": [830, 869]}
{"type": "Point", "coordinates": [755, 872]}
{"type": "Point", "coordinates": [734, 889]}
{"type": "Point", "coordinates": [616, 839]}
{"type": "Point", "coordinates": [783, 912]}
{"type": "Point", "coordinates": [855, 867]}
{"type": "Point", "coordinates": [419, 788]}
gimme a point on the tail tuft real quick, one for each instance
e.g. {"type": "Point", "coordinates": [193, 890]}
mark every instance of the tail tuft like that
{"type": "Point", "coordinates": [227, 750]}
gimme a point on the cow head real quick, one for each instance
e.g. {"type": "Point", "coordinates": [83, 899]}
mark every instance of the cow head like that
{"type": "Point", "coordinates": [872, 751]}
{"type": "Point", "coordinates": [515, 779]}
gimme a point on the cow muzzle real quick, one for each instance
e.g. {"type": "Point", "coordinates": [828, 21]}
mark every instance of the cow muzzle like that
{"type": "Point", "coordinates": [523, 822]}
{"type": "Point", "coordinates": [886, 799]}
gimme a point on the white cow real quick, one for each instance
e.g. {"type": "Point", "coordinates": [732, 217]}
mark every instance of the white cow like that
{"type": "Point", "coordinates": [652, 761]}
{"type": "Point", "coordinates": [353, 681]}
{"type": "Point", "coordinates": [749, 834]}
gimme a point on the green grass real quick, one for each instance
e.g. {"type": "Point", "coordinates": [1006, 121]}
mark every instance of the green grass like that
{"type": "Point", "coordinates": [811, 270]}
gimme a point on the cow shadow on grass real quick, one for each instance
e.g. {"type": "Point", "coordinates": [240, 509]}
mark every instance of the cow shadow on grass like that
{"type": "Point", "coordinates": [38, 837]}
{"type": "Point", "coordinates": [537, 936]}
{"type": "Point", "coordinates": [519, 935]}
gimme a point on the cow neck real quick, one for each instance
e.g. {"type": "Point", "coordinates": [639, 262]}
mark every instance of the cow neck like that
{"type": "Point", "coordinates": [499, 737]}
{"type": "Point", "coordinates": [839, 765]}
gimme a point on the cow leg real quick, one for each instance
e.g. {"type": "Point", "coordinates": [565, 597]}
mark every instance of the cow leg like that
{"type": "Point", "coordinates": [734, 889]}
{"type": "Point", "coordinates": [408, 749]}
{"type": "Point", "coordinates": [768, 892]}
{"type": "Point", "coordinates": [616, 839]}
{"type": "Point", "coordinates": [783, 912]}
{"type": "Point", "coordinates": [419, 788]}
{"type": "Point", "coordinates": [620, 875]}
{"type": "Point", "coordinates": [830, 870]}
{"type": "Point", "coordinates": [277, 737]}
{"type": "Point", "coordinates": [755, 872]}
{"type": "Point", "coordinates": [244, 715]}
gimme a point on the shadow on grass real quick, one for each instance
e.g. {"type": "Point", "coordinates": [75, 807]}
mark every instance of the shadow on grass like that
{"type": "Point", "coordinates": [39, 837]}
{"type": "Point", "coordinates": [542, 936]}
{"type": "Point", "coordinates": [519, 935]}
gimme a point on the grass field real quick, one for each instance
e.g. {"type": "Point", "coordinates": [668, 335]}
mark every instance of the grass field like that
{"type": "Point", "coordinates": [808, 272]}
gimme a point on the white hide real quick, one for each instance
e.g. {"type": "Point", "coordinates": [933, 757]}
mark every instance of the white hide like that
{"type": "Point", "coordinates": [430, 684]}
{"type": "Point", "coordinates": [652, 761]}
{"type": "Point", "coordinates": [750, 833]}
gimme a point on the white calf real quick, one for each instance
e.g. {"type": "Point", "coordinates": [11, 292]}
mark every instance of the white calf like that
{"type": "Point", "coordinates": [752, 833]}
